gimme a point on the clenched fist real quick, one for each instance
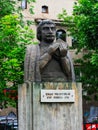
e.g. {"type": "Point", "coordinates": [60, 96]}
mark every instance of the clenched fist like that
{"type": "Point", "coordinates": [63, 49]}
{"type": "Point", "coordinates": [52, 48]}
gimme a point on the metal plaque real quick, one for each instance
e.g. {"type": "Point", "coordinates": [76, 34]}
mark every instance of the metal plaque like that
{"type": "Point", "coordinates": [57, 95]}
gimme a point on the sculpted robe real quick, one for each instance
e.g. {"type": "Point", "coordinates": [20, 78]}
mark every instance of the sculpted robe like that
{"type": "Point", "coordinates": [31, 64]}
{"type": "Point", "coordinates": [52, 71]}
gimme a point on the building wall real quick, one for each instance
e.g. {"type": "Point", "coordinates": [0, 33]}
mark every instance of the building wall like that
{"type": "Point", "coordinates": [55, 7]}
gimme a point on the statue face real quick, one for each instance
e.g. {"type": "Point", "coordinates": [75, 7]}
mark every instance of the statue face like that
{"type": "Point", "coordinates": [48, 33]}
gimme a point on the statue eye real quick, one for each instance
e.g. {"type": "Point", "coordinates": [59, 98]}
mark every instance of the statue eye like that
{"type": "Point", "coordinates": [49, 28]}
{"type": "Point", "coordinates": [45, 28]}
{"type": "Point", "coordinates": [53, 28]}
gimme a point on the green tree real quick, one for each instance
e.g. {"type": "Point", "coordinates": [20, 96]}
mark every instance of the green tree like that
{"type": "Point", "coordinates": [14, 37]}
{"type": "Point", "coordinates": [83, 26]}
{"type": "Point", "coordinates": [6, 7]}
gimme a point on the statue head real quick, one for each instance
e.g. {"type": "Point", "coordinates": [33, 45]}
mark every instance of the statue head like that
{"type": "Point", "coordinates": [46, 31]}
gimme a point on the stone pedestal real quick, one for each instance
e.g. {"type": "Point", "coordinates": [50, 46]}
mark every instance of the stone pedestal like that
{"type": "Point", "coordinates": [37, 115]}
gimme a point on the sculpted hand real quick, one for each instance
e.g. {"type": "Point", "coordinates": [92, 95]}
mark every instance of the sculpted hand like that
{"type": "Point", "coordinates": [63, 49]}
{"type": "Point", "coordinates": [52, 48]}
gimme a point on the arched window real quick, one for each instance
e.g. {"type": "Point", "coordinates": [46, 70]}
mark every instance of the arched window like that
{"type": "Point", "coordinates": [61, 34]}
{"type": "Point", "coordinates": [24, 4]}
{"type": "Point", "coordinates": [44, 9]}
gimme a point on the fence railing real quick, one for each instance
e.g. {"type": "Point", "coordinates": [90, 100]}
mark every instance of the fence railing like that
{"type": "Point", "coordinates": [8, 124]}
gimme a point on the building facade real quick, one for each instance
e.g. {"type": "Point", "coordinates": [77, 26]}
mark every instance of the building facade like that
{"type": "Point", "coordinates": [46, 9]}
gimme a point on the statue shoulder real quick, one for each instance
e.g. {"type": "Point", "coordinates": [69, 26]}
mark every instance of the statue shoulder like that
{"type": "Point", "coordinates": [32, 47]}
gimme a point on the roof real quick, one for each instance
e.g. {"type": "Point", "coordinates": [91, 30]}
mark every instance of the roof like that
{"type": "Point", "coordinates": [6, 111]}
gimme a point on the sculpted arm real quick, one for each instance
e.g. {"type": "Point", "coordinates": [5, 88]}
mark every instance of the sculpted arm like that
{"type": "Point", "coordinates": [65, 60]}
{"type": "Point", "coordinates": [66, 66]}
{"type": "Point", "coordinates": [46, 57]}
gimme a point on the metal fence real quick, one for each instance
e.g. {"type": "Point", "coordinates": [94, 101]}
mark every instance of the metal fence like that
{"type": "Point", "coordinates": [8, 125]}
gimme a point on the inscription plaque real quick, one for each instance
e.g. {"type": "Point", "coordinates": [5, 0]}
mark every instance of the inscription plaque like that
{"type": "Point", "coordinates": [57, 95]}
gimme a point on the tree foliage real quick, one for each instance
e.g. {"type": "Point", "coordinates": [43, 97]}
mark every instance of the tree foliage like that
{"type": "Point", "coordinates": [14, 37]}
{"type": "Point", "coordinates": [83, 27]}
{"type": "Point", "coordinates": [6, 7]}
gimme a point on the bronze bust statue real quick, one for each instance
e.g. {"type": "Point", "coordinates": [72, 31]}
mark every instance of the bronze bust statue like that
{"type": "Point", "coordinates": [49, 60]}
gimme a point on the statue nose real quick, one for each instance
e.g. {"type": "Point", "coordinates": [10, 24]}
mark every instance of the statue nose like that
{"type": "Point", "coordinates": [50, 30]}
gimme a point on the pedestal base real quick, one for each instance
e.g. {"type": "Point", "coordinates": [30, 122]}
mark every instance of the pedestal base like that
{"type": "Point", "coordinates": [37, 115]}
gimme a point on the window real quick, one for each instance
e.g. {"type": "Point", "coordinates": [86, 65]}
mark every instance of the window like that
{"type": "Point", "coordinates": [74, 43]}
{"type": "Point", "coordinates": [44, 9]}
{"type": "Point", "coordinates": [24, 4]}
{"type": "Point", "coordinates": [61, 34]}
